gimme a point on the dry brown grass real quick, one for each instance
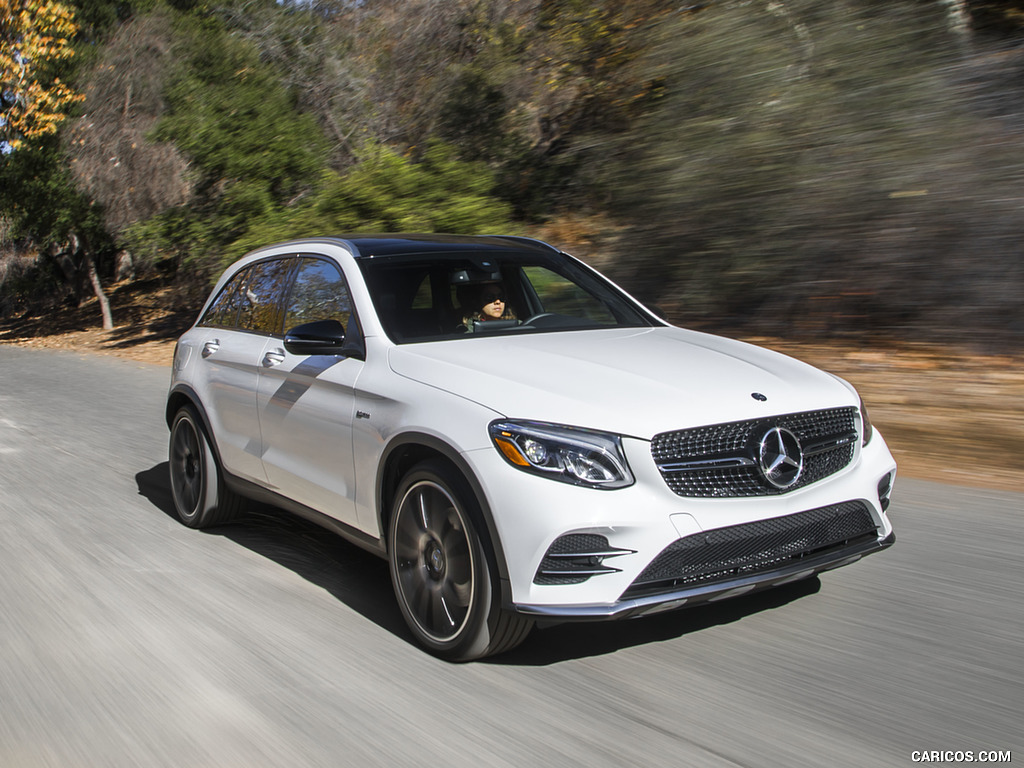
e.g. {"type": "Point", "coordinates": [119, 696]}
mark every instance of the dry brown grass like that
{"type": "Point", "coordinates": [947, 415]}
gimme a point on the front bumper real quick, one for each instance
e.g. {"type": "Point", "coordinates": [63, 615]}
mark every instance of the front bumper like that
{"type": "Point", "coordinates": [796, 570]}
{"type": "Point", "coordinates": [628, 529]}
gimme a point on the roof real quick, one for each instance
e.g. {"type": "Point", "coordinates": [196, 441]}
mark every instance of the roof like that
{"type": "Point", "coordinates": [368, 246]}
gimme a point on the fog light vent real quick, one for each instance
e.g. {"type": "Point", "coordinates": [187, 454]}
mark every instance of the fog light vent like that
{"type": "Point", "coordinates": [884, 491]}
{"type": "Point", "coordinates": [575, 557]}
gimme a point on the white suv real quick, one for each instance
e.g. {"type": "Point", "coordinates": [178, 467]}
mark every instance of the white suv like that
{"type": "Point", "coordinates": [517, 436]}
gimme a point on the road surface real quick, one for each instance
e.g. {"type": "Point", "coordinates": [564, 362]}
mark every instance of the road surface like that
{"type": "Point", "coordinates": [129, 640]}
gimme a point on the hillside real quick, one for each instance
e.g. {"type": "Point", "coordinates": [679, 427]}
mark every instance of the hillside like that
{"type": "Point", "coordinates": [796, 167]}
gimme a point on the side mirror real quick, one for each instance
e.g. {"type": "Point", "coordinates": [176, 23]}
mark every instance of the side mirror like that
{"type": "Point", "coordinates": [323, 337]}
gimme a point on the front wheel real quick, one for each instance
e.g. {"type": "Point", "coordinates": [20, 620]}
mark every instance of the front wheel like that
{"type": "Point", "coordinates": [443, 577]}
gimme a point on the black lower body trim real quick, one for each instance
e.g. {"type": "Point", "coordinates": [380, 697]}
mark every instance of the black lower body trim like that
{"type": "Point", "coordinates": [722, 554]}
{"type": "Point", "coordinates": [695, 595]}
{"type": "Point", "coordinates": [259, 493]}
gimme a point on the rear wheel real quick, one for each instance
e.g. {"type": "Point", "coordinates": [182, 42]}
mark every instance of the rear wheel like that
{"type": "Point", "coordinates": [201, 499]}
{"type": "Point", "coordinates": [443, 575]}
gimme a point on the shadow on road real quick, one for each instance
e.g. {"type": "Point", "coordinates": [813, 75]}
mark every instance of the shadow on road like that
{"type": "Point", "coordinates": [155, 485]}
{"type": "Point", "coordinates": [361, 581]}
{"type": "Point", "coordinates": [575, 641]}
{"type": "Point", "coordinates": [355, 577]}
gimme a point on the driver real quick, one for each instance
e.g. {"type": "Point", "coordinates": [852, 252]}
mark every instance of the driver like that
{"type": "Point", "coordinates": [487, 304]}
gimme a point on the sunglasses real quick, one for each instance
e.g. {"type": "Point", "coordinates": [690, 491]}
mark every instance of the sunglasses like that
{"type": "Point", "coordinates": [489, 297]}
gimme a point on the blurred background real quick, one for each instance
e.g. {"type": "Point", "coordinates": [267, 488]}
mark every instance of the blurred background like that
{"type": "Point", "coordinates": [800, 168]}
{"type": "Point", "coordinates": [842, 180]}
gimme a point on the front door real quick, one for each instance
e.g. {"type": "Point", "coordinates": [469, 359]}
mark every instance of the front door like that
{"type": "Point", "coordinates": [307, 402]}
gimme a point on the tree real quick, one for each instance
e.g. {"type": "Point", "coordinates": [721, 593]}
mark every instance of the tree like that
{"type": "Point", "coordinates": [40, 202]}
{"type": "Point", "coordinates": [112, 157]}
{"type": "Point", "coordinates": [388, 192]}
{"type": "Point", "coordinates": [250, 150]}
{"type": "Point", "coordinates": [311, 45]}
{"type": "Point", "coordinates": [998, 18]}
{"type": "Point", "coordinates": [39, 196]}
{"type": "Point", "coordinates": [35, 35]}
{"type": "Point", "coordinates": [826, 167]}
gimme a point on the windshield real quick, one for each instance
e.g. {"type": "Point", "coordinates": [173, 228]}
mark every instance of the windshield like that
{"type": "Point", "coordinates": [462, 295]}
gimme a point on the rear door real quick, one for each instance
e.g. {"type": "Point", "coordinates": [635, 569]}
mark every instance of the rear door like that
{"type": "Point", "coordinates": [237, 328]}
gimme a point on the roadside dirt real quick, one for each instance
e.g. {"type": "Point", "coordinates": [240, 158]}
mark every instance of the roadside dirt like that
{"type": "Point", "coordinates": [948, 415]}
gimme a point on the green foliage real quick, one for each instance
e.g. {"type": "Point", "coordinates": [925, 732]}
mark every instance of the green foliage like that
{"type": "Point", "coordinates": [39, 199]}
{"type": "Point", "coordinates": [42, 207]}
{"type": "Point", "coordinates": [387, 192]}
{"type": "Point", "coordinates": [260, 173]}
{"type": "Point", "coordinates": [473, 117]}
{"type": "Point", "coordinates": [252, 153]}
{"type": "Point", "coordinates": [97, 17]}
{"type": "Point", "coordinates": [233, 116]}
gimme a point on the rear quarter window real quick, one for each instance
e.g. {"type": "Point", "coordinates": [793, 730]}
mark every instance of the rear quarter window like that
{"type": "Point", "coordinates": [223, 312]}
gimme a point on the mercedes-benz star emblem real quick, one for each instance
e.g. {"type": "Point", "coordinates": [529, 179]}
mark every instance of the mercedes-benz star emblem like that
{"type": "Point", "coordinates": [780, 457]}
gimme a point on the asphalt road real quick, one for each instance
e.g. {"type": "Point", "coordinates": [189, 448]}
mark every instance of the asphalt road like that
{"type": "Point", "coordinates": [128, 640]}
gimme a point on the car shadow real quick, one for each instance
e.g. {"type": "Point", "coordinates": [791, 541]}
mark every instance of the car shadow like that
{"type": "Point", "coordinates": [354, 576]}
{"type": "Point", "coordinates": [564, 642]}
{"type": "Point", "coordinates": [361, 581]}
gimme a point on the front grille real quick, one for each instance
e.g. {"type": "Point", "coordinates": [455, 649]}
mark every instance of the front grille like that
{"type": "Point", "coordinates": [722, 460]}
{"type": "Point", "coordinates": [740, 550]}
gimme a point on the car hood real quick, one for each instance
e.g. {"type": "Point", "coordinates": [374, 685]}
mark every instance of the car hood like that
{"type": "Point", "coordinates": [635, 382]}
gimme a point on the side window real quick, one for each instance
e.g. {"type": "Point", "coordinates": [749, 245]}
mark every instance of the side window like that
{"type": "Point", "coordinates": [318, 293]}
{"type": "Point", "coordinates": [224, 310]}
{"type": "Point", "coordinates": [260, 298]}
{"type": "Point", "coordinates": [424, 298]}
{"type": "Point", "coordinates": [561, 296]}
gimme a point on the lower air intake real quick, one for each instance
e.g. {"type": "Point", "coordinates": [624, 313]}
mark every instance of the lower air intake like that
{"type": "Point", "coordinates": [725, 553]}
{"type": "Point", "coordinates": [575, 557]}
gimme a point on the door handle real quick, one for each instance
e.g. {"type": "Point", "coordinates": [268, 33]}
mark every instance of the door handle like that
{"type": "Point", "coordinates": [210, 347]}
{"type": "Point", "coordinates": [273, 357]}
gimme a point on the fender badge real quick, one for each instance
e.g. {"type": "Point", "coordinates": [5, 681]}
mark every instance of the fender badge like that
{"type": "Point", "coordinates": [758, 396]}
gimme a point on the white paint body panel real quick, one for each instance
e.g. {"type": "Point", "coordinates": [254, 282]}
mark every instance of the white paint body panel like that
{"type": "Point", "coordinates": [636, 382]}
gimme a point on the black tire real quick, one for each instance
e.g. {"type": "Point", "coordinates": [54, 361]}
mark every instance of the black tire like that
{"type": "Point", "coordinates": [201, 499]}
{"type": "Point", "coordinates": [442, 571]}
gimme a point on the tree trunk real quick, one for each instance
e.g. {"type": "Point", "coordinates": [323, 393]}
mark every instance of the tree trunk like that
{"type": "Point", "coordinates": [124, 268]}
{"type": "Point", "coordinates": [79, 244]}
{"type": "Point", "coordinates": [959, 21]}
{"type": "Point", "coordinates": [64, 256]}
{"type": "Point", "coordinates": [94, 278]}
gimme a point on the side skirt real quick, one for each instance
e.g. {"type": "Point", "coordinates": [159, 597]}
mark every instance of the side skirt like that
{"type": "Point", "coordinates": [354, 535]}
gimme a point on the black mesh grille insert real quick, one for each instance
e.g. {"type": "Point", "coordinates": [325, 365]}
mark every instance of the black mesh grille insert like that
{"type": "Point", "coordinates": [573, 543]}
{"type": "Point", "coordinates": [574, 558]}
{"type": "Point", "coordinates": [722, 460]}
{"type": "Point", "coordinates": [725, 553]}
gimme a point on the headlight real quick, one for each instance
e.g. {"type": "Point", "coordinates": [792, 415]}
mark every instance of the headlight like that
{"type": "Point", "coordinates": [868, 430]}
{"type": "Point", "coordinates": [569, 454]}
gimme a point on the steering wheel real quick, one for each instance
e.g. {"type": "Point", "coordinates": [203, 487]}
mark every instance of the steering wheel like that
{"type": "Point", "coordinates": [538, 316]}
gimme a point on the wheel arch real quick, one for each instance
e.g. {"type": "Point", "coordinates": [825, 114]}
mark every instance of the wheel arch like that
{"type": "Point", "coordinates": [409, 449]}
{"type": "Point", "coordinates": [182, 395]}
